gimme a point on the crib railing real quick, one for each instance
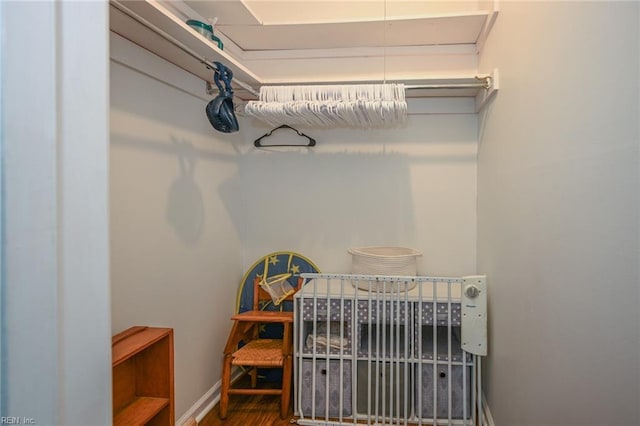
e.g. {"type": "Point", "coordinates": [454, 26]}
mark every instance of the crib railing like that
{"type": "Point", "coordinates": [386, 350]}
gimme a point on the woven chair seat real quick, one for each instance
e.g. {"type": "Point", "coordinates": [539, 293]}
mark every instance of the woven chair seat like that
{"type": "Point", "coordinates": [260, 353]}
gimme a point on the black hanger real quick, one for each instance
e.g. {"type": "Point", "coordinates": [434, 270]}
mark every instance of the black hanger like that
{"type": "Point", "coordinates": [257, 143]}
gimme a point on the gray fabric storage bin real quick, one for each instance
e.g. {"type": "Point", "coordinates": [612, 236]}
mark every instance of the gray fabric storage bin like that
{"type": "Point", "coordinates": [424, 348]}
{"type": "Point", "coordinates": [325, 377]}
{"type": "Point", "coordinates": [442, 385]}
{"type": "Point", "coordinates": [392, 387]}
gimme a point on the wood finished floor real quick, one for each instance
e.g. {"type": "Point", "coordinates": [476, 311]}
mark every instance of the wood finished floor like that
{"type": "Point", "coordinates": [252, 410]}
{"type": "Point", "coordinates": [249, 410]}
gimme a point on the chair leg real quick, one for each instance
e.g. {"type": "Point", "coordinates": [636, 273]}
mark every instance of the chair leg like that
{"type": "Point", "coordinates": [286, 387]}
{"type": "Point", "coordinates": [226, 384]}
{"type": "Point", "coordinates": [254, 376]}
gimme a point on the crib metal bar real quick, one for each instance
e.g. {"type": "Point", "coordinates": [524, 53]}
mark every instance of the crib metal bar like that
{"type": "Point", "coordinates": [302, 348]}
{"type": "Point", "coordinates": [382, 353]}
{"type": "Point", "coordinates": [388, 367]}
{"type": "Point", "coordinates": [420, 364]}
{"type": "Point", "coordinates": [298, 309]}
{"type": "Point", "coordinates": [434, 304]}
{"type": "Point", "coordinates": [315, 351]}
{"type": "Point", "coordinates": [354, 356]}
{"type": "Point", "coordinates": [464, 388]}
{"type": "Point", "coordinates": [341, 354]}
{"type": "Point", "coordinates": [479, 403]}
{"type": "Point", "coordinates": [326, 422]}
{"type": "Point", "coordinates": [474, 385]}
{"type": "Point", "coordinates": [326, 346]}
{"type": "Point", "coordinates": [449, 357]}
{"type": "Point", "coordinates": [380, 278]}
{"type": "Point", "coordinates": [369, 347]}
{"type": "Point", "coordinates": [407, 352]}
{"type": "Point", "coordinates": [393, 354]}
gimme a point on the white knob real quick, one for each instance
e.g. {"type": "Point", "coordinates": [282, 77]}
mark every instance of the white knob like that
{"type": "Point", "coordinates": [471, 291]}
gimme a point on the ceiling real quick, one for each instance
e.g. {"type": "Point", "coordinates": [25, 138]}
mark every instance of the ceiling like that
{"type": "Point", "coordinates": [297, 24]}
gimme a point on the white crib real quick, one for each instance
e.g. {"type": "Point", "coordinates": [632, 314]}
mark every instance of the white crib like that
{"type": "Point", "coordinates": [385, 350]}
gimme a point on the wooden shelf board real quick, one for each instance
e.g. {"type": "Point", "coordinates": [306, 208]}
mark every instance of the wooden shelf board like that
{"type": "Point", "coordinates": [413, 31]}
{"type": "Point", "coordinates": [138, 338]}
{"type": "Point", "coordinates": [140, 411]}
{"type": "Point", "coordinates": [264, 316]}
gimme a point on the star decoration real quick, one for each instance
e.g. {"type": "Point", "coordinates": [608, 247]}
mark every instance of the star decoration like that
{"type": "Point", "coordinates": [273, 260]}
{"type": "Point", "coordinates": [295, 269]}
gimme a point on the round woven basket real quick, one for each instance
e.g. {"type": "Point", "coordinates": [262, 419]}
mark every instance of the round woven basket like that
{"type": "Point", "coordinates": [380, 260]}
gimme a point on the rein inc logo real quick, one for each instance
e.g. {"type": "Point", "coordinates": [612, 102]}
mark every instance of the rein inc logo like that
{"type": "Point", "coordinates": [11, 420]}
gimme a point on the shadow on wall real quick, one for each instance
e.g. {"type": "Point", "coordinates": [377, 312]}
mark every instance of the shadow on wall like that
{"type": "Point", "coordinates": [411, 186]}
{"type": "Point", "coordinates": [317, 202]}
{"type": "Point", "coordinates": [185, 206]}
{"type": "Point", "coordinates": [321, 199]}
{"type": "Point", "coordinates": [184, 211]}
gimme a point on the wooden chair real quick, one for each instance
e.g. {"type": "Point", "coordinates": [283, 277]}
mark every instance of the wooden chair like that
{"type": "Point", "coordinates": [258, 352]}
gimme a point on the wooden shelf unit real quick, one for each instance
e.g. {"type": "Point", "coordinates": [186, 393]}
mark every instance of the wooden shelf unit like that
{"type": "Point", "coordinates": [142, 373]}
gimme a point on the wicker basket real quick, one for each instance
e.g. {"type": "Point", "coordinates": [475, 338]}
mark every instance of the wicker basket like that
{"type": "Point", "coordinates": [384, 261]}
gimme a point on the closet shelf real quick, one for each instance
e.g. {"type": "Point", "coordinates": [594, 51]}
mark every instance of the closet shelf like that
{"type": "Point", "coordinates": [135, 20]}
{"type": "Point", "coordinates": [140, 411]}
{"type": "Point", "coordinates": [154, 26]}
{"type": "Point", "coordinates": [424, 30]}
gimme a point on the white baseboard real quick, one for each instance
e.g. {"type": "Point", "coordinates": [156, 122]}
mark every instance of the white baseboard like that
{"type": "Point", "coordinates": [206, 403]}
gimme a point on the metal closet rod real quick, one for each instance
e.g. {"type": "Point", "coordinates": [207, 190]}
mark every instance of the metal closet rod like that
{"type": "Point", "coordinates": [483, 82]}
{"type": "Point", "coordinates": [178, 44]}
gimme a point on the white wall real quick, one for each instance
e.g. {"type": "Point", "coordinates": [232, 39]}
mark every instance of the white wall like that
{"type": "Point", "coordinates": [414, 186]}
{"type": "Point", "coordinates": [192, 209]}
{"type": "Point", "coordinates": [55, 278]}
{"type": "Point", "coordinates": [175, 252]}
{"type": "Point", "coordinates": [558, 214]}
